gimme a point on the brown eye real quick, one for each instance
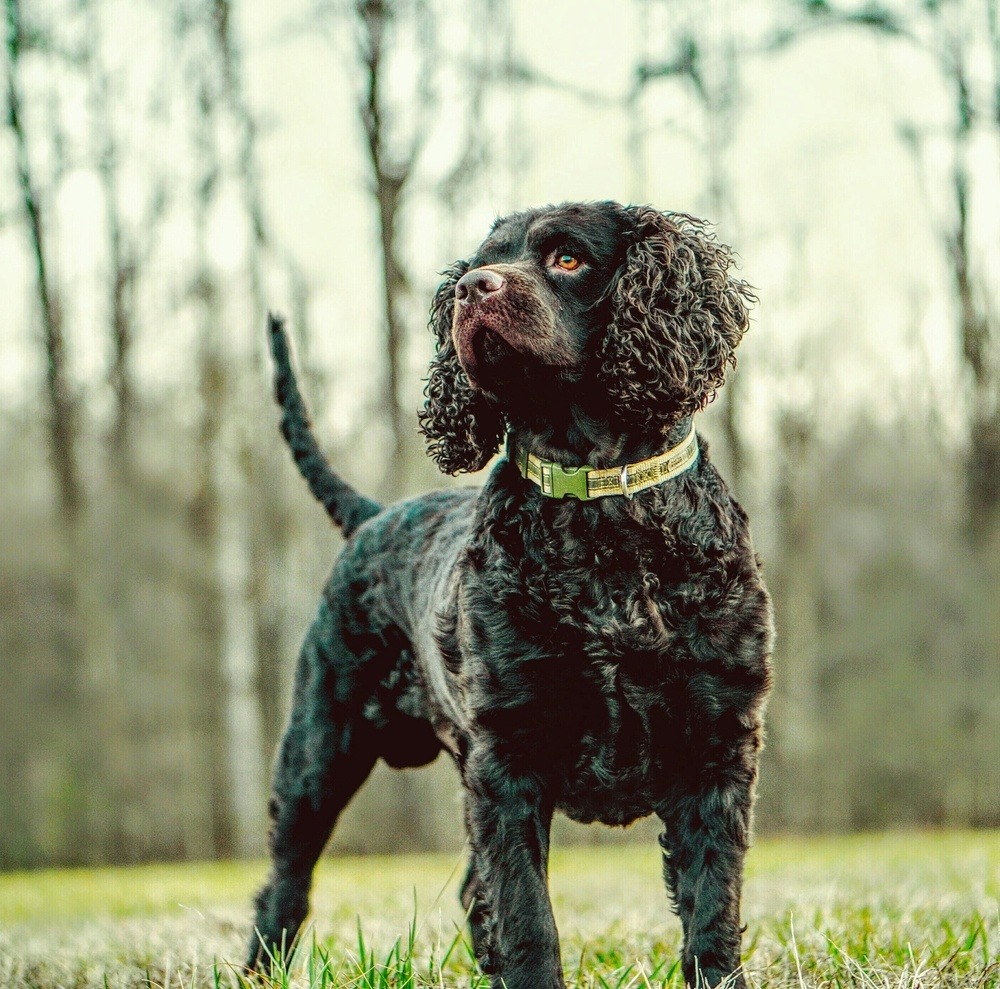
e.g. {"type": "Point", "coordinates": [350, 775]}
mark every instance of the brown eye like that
{"type": "Point", "coordinates": [567, 262]}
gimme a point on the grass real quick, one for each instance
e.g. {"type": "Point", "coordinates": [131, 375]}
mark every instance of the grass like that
{"type": "Point", "coordinates": [904, 911]}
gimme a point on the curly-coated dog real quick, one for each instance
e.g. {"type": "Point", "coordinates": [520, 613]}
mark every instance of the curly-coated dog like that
{"type": "Point", "coordinates": [589, 632]}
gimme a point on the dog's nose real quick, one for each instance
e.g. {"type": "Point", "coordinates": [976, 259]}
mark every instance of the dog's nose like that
{"type": "Point", "coordinates": [476, 285]}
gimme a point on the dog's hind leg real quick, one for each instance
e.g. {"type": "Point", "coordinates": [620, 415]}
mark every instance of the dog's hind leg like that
{"type": "Point", "coordinates": [327, 752]}
{"type": "Point", "coordinates": [475, 909]}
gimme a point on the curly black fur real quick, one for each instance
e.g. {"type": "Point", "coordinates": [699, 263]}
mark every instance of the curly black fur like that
{"type": "Point", "coordinates": [678, 317]}
{"type": "Point", "coordinates": [462, 425]}
{"type": "Point", "coordinates": [608, 659]}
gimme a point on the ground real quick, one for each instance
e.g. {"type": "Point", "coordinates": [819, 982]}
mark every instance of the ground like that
{"type": "Point", "coordinates": [906, 910]}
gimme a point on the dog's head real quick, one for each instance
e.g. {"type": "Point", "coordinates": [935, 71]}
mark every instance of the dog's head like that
{"type": "Point", "coordinates": [618, 317]}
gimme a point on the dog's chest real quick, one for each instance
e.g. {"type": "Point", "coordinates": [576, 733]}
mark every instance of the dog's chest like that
{"type": "Point", "coordinates": [597, 664]}
{"type": "Point", "coordinates": [622, 656]}
{"type": "Point", "coordinates": [610, 592]}
{"type": "Point", "coordinates": [625, 745]}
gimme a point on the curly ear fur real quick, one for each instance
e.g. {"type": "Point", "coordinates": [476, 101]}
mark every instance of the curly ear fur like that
{"type": "Point", "coordinates": [462, 425]}
{"type": "Point", "coordinates": [677, 316]}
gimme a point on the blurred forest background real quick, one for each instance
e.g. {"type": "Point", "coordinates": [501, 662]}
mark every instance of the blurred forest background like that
{"type": "Point", "coordinates": [170, 170]}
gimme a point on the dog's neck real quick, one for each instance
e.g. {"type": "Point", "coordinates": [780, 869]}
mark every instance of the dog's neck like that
{"type": "Point", "coordinates": [578, 439]}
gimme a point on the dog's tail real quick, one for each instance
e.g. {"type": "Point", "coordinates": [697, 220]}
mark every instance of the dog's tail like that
{"type": "Point", "coordinates": [343, 504]}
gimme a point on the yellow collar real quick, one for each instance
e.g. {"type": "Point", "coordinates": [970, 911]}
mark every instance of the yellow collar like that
{"type": "Point", "coordinates": [587, 483]}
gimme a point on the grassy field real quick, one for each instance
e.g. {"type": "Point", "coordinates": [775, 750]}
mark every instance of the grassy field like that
{"type": "Point", "coordinates": [913, 910]}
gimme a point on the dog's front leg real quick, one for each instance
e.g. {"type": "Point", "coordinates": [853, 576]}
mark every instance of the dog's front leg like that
{"type": "Point", "coordinates": [707, 832]}
{"type": "Point", "coordinates": [509, 819]}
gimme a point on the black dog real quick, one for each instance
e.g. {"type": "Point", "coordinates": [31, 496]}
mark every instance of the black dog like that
{"type": "Point", "coordinates": [589, 632]}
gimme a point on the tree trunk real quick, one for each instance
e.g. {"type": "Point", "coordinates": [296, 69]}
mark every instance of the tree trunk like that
{"type": "Point", "coordinates": [264, 507]}
{"type": "Point", "coordinates": [62, 425]}
{"type": "Point", "coordinates": [708, 64]}
{"type": "Point", "coordinates": [796, 704]}
{"type": "Point", "coordinates": [393, 289]}
{"type": "Point", "coordinates": [211, 831]}
{"type": "Point", "coordinates": [81, 811]}
{"type": "Point", "coordinates": [975, 335]}
{"type": "Point", "coordinates": [389, 177]}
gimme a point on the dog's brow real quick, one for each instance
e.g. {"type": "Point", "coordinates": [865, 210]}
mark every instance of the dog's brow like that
{"type": "Point", "coordinates": [545, 228]}
{"type": "Point", "coordinates": [554, 228]}
{"type": "Point", "coordinates": [496, 245]}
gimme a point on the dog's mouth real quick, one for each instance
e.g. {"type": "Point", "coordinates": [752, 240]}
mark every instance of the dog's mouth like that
{"type": "Point", "coordinates": [482, 346]}
{"type": "Point", "coordinates": [495, 349]}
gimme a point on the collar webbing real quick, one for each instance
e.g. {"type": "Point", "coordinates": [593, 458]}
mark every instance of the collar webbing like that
{"type": "Point", "coordinates": [587, 483]}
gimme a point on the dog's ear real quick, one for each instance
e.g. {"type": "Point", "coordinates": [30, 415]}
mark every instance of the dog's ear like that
{"type": "Point", "coordinates": [462, 425]}
{"type": "Point", "coordinates": [677, 316]}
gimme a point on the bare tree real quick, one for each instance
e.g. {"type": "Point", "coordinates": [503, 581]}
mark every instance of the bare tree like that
{"type": "Point", "coordinates": [961, 40]}
{"type": "Point", "coordinates": [392, 161]}
{"type": "Point", "coordinates": [262, 472]}
{"type": "Point", "coordinates": [208, 727]}
{"type": "Point", "coordinates": [82, 642]}
{"type": "Point", "coordinates": [121, 502]}
{"type": "Point", "coordinates": [226, 714]}
{"type": "Point", "coordinates": [62, 411]}
{"type": "Point", "coordinates": [394, 41]}
{"type": "Point", "coordinates": [797, 714]}
{"type": "Point", "coordinates": [130, 241]}
{"type": "Point", "coordinates": [703, 55]}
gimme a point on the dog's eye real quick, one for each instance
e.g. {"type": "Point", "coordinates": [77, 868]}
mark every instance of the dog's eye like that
{"type": "Point", "coordinates": [566, 261]}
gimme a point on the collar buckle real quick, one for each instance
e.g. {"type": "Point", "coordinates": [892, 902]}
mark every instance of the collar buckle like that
{"type": "Point", "coordinates": [565, 482]}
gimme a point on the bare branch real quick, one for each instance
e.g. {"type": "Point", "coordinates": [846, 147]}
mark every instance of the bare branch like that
{"type": "Point", "coordinates": [62, 405]}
